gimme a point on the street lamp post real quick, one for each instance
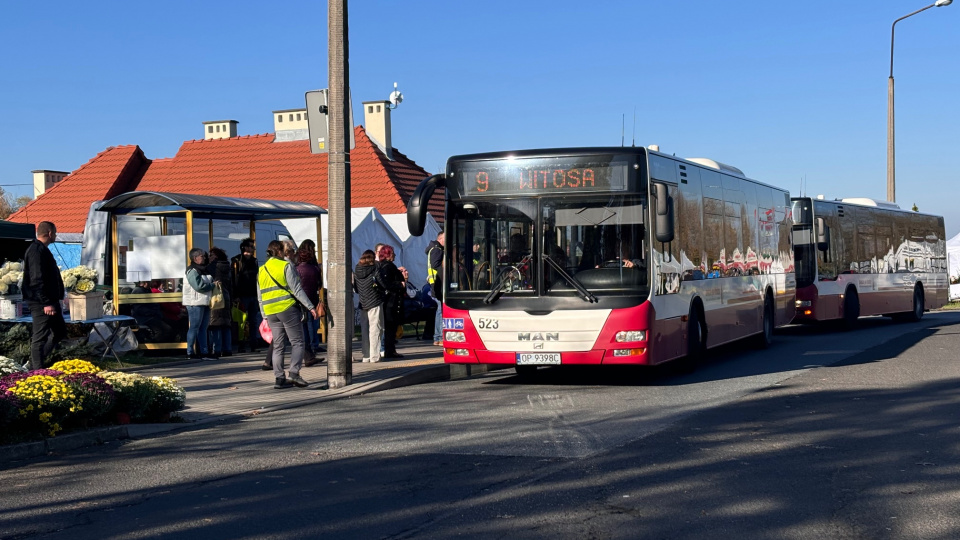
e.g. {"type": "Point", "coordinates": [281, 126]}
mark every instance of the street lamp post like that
{"type": "Point", "coordinates": [891, 168]}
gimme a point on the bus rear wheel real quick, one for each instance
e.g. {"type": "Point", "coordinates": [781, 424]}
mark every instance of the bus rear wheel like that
{"type": "Point", "coordinates": [918, 306]}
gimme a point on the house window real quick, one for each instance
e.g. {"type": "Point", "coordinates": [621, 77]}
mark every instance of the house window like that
{"type": "Point", "coordinates": [370, 109]}
{"type": "Point", "coordinates": [209, 129]}
{"type": "Point", "coordinates": [280, 118]}
{"type": "Point", "coordinates": [291, 117]}
{"type": "Point", "coordinates": [298, 117]}
{"type": "Point", "coordinates": [378, 108]}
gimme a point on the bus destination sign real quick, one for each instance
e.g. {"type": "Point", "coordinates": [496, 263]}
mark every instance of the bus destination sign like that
{"type": "Point", "coordinates": [539, 177]}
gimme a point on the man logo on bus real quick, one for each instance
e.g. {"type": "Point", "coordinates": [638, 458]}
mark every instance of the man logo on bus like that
{"type": "Point", "coordinates": [538, 336]}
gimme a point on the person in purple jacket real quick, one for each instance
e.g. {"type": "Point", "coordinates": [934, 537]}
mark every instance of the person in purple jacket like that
{"type": "Point", "coordinates": [311, 279]}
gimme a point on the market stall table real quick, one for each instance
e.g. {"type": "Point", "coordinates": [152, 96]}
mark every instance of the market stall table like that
{"type": "Point", "coordinates": [111, 322]}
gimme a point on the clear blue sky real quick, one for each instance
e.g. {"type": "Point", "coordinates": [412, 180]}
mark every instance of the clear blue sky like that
{"type": "Point", "coordinates": [783, 90]}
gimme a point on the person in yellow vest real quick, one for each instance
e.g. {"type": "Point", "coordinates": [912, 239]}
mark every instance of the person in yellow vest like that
{"type": "Point", "coordinates": [280, 295]}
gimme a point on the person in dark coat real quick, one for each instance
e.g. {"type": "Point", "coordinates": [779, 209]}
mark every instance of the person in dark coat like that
{"type": "Point", "coordinates": [42, 291]}
{"type": "Point", "coordinates": [394, 282]}
{"type": "Point", "coordinates": [221, 320]}
{"type": "Point", "coordinates": [245, 287]}
{"type": "Point", "coordinates": [366, 282]}
{"type": "Point", "coordinates": [311, 279]}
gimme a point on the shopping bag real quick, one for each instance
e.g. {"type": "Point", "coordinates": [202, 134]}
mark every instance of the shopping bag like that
{"type": "Point", "coordinates": [240, 317]}
{"type": "Point", "coordinates": [216, 299]}
{"type": "Point", "coordinates": [265, 332]}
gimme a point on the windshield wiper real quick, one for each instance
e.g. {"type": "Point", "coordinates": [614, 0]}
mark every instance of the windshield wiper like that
{"type": "Point", "coordinates": [584, 293]}
{"type": "Point", "coordinates": [507, 276]}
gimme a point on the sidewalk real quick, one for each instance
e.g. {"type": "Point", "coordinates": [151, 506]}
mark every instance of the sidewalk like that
{"type": "Point", "coordinates": [235, 388]}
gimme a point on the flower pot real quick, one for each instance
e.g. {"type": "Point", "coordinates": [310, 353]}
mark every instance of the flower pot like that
{"type": "Point", "coordinates": [84, 307]}
{"type": "Point", "coordinates": [123, 418]}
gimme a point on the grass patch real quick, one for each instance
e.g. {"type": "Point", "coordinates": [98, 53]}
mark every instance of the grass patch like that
{"type": "Point", "coordinates": [951, 306]}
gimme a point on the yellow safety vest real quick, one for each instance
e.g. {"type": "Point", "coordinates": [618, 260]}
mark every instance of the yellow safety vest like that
{"type": "Point", "coordinates": [431, 271]}
{"type": "Point", "coordinates": [273, 297]}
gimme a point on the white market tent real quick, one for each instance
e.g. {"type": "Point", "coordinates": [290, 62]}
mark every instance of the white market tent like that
{"type": "Point", "coordinates": [368, 229]}
{"type": "Point", "coordinates": [953, 265]}
{"type": "Point", "coordinates": [414, 247]}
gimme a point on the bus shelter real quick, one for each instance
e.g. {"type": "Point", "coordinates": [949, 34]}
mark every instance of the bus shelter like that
{"type": "Point", "coordinates": [149, 236]}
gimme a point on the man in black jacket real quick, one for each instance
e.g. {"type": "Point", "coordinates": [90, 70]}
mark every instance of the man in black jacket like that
{"type": "Point", "coordinates": [42, 292]}
{"type": "Point", "coordinates": [245, 286]}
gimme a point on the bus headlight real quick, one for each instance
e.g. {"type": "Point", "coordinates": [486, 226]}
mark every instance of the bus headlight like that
{"type": "Point", "coordinates": [804, 303]}
{"type": "Point", "coordinates": [456, 337]}
{"type": "Point", "coordinates": [628, 352]}
{"type": "Point", "coordinates": [458, 352]}
{"type": "Point", "coordinates": [631, 335]}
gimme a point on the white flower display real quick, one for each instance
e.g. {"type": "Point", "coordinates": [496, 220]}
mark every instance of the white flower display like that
{"type": "Point", "coordinates": [79, 279]}
{"type": "Point", "coordinates": [10, 276]}
{"type": "Point", "coordinates": [8, 366]}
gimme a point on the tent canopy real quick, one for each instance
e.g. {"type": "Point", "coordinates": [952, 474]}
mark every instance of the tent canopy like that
{"type": "Point", "coordinates": [367, 226]}
{"type": "Point", "coordinates": [17, 231]}
{"type": "Point", "coordinates": [414, 247]}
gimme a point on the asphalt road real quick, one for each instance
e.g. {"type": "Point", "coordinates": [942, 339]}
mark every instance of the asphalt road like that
{"type": "Point", "coordinates": [824, 435]}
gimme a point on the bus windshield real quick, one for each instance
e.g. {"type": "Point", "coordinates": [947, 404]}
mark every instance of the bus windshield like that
{"type": "Point", "coordinates": [585, 247]}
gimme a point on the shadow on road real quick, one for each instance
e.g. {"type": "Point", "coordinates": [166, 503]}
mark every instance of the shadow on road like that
{"type": "Point", "coordinates": [738, 359]}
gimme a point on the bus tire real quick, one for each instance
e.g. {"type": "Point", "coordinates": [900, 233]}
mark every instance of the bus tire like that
{"type": "Point", "coordinates": [526, 373]}
{"type": "Point", "coordinates": [764, 339]}
{"type": "Point", "coordinates": [696, 342]}
{"type": "Point", "coordinates": [918, 305]}
{"type": "Point", "coordinates": [851, 308]}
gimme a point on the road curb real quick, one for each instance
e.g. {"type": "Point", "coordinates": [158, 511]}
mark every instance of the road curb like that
{"type": "Point", "coordinates": [97, 436]}
{"type": "Point", "coordinates": [71, 441]}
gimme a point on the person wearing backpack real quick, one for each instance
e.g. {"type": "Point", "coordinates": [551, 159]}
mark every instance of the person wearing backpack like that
{"type": "Point", "coordinates": [434, 253]}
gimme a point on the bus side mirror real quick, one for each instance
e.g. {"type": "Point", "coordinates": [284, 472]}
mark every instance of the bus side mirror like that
{"type": "Point", "coordinates": [417, 205]}
{"type": "Point", "coordinates": [664, 213]}
{"type": "Point", "coordinates": [823, 235]}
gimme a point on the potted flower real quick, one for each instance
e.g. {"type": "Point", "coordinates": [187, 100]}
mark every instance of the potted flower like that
{"type": "Point", "coordinates": [46, 402]}
{"type": "Point", "coordinates": [170, 398]}
{"type": "Point", "coordinates": [83, 300]}
{"type": "Point", "coordinates": [134, 394]}
{"type": "Point", "coordinates": [97, 395]}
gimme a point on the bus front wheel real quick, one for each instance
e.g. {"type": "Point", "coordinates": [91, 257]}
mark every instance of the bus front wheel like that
{"type": "Point", "coordinates": [764, 339]}
{"type": "Point", "coordinates": [851, 309]}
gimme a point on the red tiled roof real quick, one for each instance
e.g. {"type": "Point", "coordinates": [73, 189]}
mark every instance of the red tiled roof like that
{"type": "Point", "coordinates": [108, 174]}
{"type": "Point", "coordinates": [251, 166]}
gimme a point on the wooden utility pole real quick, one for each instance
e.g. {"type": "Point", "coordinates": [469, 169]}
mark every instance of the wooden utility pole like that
{"type": "Point", "coordinates": [340, 347]}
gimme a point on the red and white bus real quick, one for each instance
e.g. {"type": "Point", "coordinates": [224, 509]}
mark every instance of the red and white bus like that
{"type": "Point", "coordinates": [606, 256]}
{"type": "Point", "coordinates": [858, 257]}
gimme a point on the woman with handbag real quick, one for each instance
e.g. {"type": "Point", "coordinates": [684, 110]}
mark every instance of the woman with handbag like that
{"type": "Point", "coordinates": [366, 282]}
{"type": "Point", "coordinates": [281, 295]}
{"type": "Point", "coordinates": [311, 277]}
{"type": "Point", "coordinates": [197, 289]}
{"type": "Point", "coordinates": [221, 318]}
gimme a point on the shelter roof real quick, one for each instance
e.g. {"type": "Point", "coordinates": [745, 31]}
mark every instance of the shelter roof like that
{"type": "Point", "coordinates": [204, 206]}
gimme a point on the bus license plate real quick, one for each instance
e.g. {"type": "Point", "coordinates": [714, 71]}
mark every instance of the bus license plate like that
{"type": "Point", "coordinates": [538, 359]}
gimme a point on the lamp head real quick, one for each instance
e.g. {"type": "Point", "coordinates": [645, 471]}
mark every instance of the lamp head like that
{"type": "Point", "coordinates": [941, 3]}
